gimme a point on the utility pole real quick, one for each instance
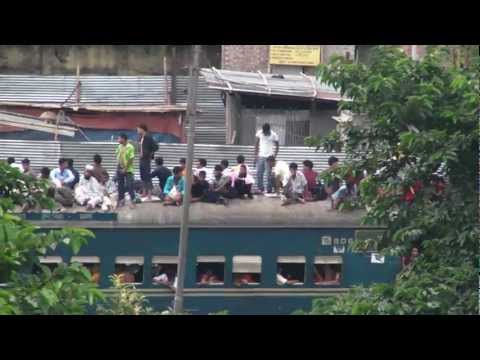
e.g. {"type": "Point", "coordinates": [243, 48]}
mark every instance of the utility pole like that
{"type": "Point", "coordinates": [191, 116]}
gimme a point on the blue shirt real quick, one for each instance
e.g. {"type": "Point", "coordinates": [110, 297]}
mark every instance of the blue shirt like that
{"type": "Point", "coordinates": [65, 176]}
{"type": "Point", "coordinates": [170, 183]}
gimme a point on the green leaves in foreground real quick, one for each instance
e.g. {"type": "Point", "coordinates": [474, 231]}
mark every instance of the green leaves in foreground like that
{"type": "Point", "coordinates": [421, 116]}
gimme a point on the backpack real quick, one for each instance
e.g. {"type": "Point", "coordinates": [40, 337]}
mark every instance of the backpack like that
{"type": "Point", "coordinates": [154, 147]}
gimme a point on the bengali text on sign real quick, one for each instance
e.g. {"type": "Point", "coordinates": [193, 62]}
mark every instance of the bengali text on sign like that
{"type": "Point", "coordinates": [301, 55]}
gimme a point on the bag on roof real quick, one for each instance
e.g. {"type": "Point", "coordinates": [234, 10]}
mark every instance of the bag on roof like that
{"type": "Point", "coordinates": [154, 147]}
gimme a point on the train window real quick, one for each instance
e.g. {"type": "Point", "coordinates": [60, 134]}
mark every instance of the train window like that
{"type": "Point", "coordinates": [49, 261]}
{"type": "Point", "coordinates": [290, 270]}
{"type": "Point", "coordinates": [130, 268]}
{"type": "Point", "coordinates": [327, 270]}
{"type": "Point", "coordinates": [92, 263]}
{"type": "Point", "coordinates": [210, 270]}
{"type": "Point", "coordinates": [247, 270]}
{"type": "Point", "coordinates": [164, 270]}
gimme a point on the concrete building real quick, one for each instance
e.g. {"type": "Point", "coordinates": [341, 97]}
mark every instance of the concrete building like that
{"type": "Point", "coordinates": [135, 60]}
{"type": "Point", "coordinates": [145, 62]}
{"type": "Point", "coordinates": [252, 58]}
{"type": "Point", "coordinates": [295, 106]}
{"type": "Point", "coordinates": [415, 51]}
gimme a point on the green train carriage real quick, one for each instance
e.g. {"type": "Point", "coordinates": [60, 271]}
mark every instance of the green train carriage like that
{"type": "Point", "coordinates": [257, 238]}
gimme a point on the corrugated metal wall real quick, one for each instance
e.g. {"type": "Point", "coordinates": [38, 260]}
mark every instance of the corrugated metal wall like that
{"type": "Point", "coordinates": [119, 91]}
{"type": "Point", "coordinates": [43, 153]}
{"type": "Point", "coordinates": [210, 127]}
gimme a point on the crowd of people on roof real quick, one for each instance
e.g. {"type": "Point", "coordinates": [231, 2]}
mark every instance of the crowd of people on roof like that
{"type": "Point", "coordinates": [96, 188]}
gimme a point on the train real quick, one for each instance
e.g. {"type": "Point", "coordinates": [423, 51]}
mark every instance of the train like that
{"type": "Point", "coordinates": [242, 259]}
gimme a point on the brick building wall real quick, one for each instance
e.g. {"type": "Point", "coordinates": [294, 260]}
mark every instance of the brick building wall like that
{"type": "Point", "coordinates": [249, 58]}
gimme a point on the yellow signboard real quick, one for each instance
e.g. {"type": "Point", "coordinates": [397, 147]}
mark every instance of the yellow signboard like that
{"type": "Point", "coordinates": [302, 55]}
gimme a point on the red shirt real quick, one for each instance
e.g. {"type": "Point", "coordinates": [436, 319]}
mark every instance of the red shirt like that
{"type": "Point", "coordinates": [410, 193]}
{"type": "Point", "coordinates": [311, 177]}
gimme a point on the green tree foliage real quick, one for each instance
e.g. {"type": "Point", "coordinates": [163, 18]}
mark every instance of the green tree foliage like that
{"type": "Point", "coordinates": [68, 289]}
{"type": "Point", "coordinates": [125, 300]}
{"type": "Point", "coordinates": [420, 114]}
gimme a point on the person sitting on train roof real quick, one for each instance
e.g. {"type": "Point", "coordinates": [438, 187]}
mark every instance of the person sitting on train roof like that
{"type": "Point", "coordinates": [295, 187]}
{"type": "Point", "coordinates": [334, 185]}
{"type": "Point", "coordinates": [209, 278]}
{"type": "Point", "coordinates": [90, 192]}
{"type": "Point", "coordinates": [200, 186]}
{"type": "Point", "coordinates": [202, 166]}
{"type": "Point", "coordinates": [11, 162]}
{"type": "Point", "coordinates": [26, 169]}
{"type": "Point", "coordinates": [162, 173]}
{"type": "Point", "coordinates": [227, 171]}
{"type": "Point", "coordinates": [280, 173]}
{"type": "Point", "coordinates": [45, 176]}
{"type": "Point", "coordinates": [99, 172]}
{"type": "Point", "coordinates": [314, 191]}
{"type": "Point", "coordinates": [240, 162]}
{"type": "Point", "coordinates": [62, 177]}
{"type": "Point", "coordinates": [242, 182]}
{"type": "Point", "coordinates": [174, 188]}
{"type": "Point", "coordinates": [220, 188]}
{"type": "Point", "coordinates": [183, 164]}
{"type": "Point", "coordinates": [347, 189]}
{"type": "Point", "coordinates": [75, 173]}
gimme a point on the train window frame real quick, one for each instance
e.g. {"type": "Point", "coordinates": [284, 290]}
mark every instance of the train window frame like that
{"type": "Point", "coordinates": [212, 259]}
{"type": "Point", "coordinates": [250, 266]}
{"type": "Point", "coordinates": [164, 260]}
{"type": "Point", "coordinates": [86, 261]}
{"type": "Point", "coordinates": [131, 260]}
{"type": "Point", "coordinates": [326, 260]}
{"type": "Point", "coordinates": [44, 260]}
{"type": "Point", "coordinates": [299, 259]}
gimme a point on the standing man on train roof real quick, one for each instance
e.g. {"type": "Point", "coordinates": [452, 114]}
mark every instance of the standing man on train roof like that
{"type": "Point", "coordinates": [125, 154]}
{"type": "Point", "coordinates": [148, 146]}
{"type": "Point", "coordinates": [266, 145]}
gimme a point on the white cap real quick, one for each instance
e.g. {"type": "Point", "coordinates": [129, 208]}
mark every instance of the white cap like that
{"type": "Point", "coordinates": [89, 168]}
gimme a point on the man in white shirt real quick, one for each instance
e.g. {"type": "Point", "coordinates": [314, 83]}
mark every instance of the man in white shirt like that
{"type": "Point", "coordinates": [295, 187]}
{"type": "Point", "coordinates": [202, 166]}
{"type": "Point", "coordinates": [280, 173]}
{"type": "Point", "coordinates": [266, 145]}
{"type": "Point", "coordinates": [13, 164]}
{"type": "Point", "coordinates": [89, 191]}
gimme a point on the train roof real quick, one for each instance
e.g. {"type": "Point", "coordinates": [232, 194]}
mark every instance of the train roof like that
{"type": "Point", "coordinates": [259, 212]}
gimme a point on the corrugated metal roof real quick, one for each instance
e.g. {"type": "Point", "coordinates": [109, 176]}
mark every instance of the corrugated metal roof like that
{"type": "Point", "coordinates": [98, 90]}
{"type": "Point", "coordinates": [270, 84]}
{"type": "Point", "coordinates": [118, 92]}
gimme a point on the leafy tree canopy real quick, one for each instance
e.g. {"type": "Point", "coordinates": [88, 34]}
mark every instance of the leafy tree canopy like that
{"type": "Point", "coordinates": [421, 126]}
